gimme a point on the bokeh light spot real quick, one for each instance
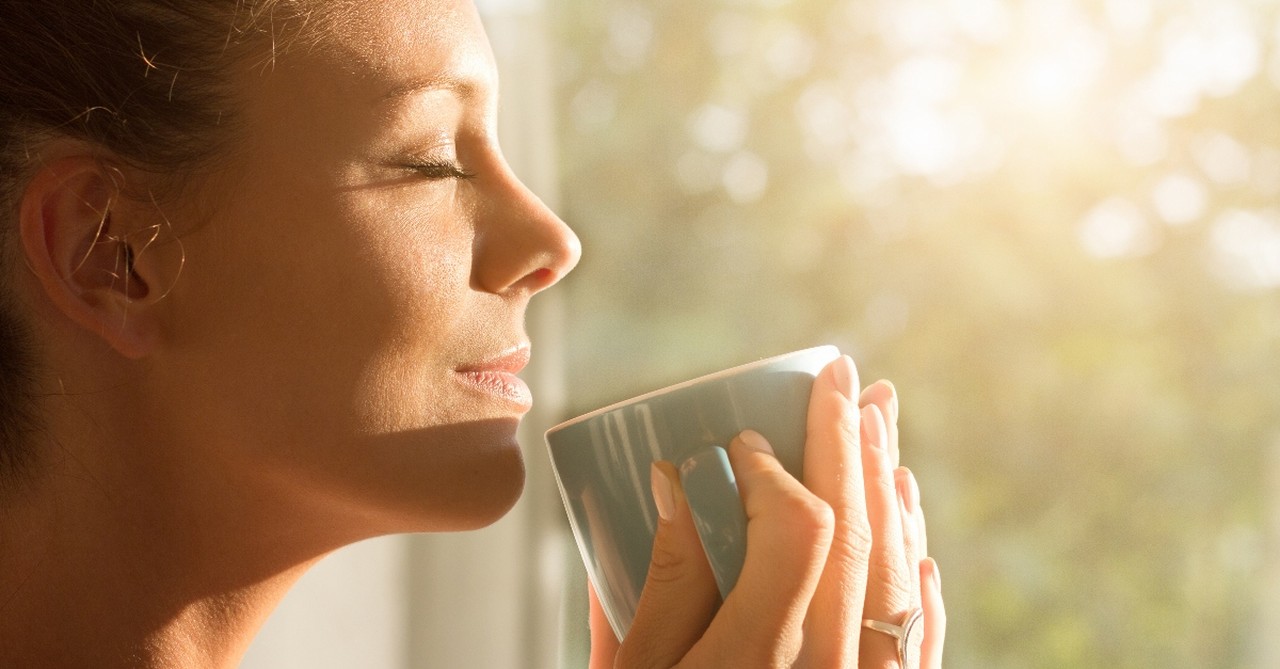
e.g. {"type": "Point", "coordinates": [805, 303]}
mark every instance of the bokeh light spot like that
{"type": "Point", "coordinates": [718, 128]}
{"type": "Point", "coordinates": [745, 177]}
{"type": "Point", "coordinates": [1115, 228]}
{"type": "Point", "coordinates": [1221, 158]}
{"type": "Point", "coordinates": [1179, 199]}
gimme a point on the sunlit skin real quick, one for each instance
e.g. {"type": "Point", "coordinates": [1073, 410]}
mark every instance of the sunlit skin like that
{"type": "Point", "coordinates": [314, 341]}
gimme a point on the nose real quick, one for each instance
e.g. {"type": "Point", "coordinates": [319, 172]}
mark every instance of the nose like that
{"type": "Point", "coordinates": [521, 246]}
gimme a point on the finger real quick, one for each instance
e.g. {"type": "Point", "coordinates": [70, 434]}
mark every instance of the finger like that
{"type": "Point", "coordinates": [788, 536]}
{"type": "Point", "coordinates": [889, 596]}
{"type": "Point", "coordinates": [604, 645]}
{"type": "Point", "coordinates": [833, 471]}
{"type": "Point", "coordinates": [908, 509]}
{"type": "Point", "coordinates": [680, 597]}
{"type": "Point", "coordinates": [884, 395]}
{"type": "Point", "coordinates": [935, 615]}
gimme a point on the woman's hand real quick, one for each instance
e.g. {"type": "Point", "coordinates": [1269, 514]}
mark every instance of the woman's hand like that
{"type": "Point", "coordinates": [820, 559]}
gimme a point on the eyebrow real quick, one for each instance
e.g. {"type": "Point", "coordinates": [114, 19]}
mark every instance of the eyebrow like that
{"type": "Point", "coordinates": [465, 88]}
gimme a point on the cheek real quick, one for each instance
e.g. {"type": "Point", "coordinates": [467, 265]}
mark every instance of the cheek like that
{"type": "Point", "coordinates": [424, 277]}
{"type": "Point", "coordinates": [327, 310]}
{"type": "Point", "coordinates": [417, 269]}
{"type": "Point", "coordinates": [394, 315]}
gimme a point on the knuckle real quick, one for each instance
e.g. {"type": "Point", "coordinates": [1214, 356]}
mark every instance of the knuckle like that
{"type": "Point", "coordinates": [811, 519]}
{"type": "Point", "coordinates": [856, 531]}
{"type": "Point", "coordinates": [894, 583]}
{"type": "Point", "coordinates": [888, 563]}
{"type": "Point", "coordinates": [666, 565]}
{"type": "Point", "coordinates": [849, 430]}
{"type": "Point", "coordinates": [852, 543]}
{"type": "Point", "coordinates": [823, 519]}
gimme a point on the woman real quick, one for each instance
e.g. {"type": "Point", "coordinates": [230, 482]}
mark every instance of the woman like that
{"type": "Point", "coordinates": [266, 277]}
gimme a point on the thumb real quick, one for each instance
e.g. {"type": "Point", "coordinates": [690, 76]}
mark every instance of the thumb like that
{"type": "Point", "coordinates": [680, 596]}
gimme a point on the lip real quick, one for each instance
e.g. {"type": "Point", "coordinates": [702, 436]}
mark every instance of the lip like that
{"type": "Point", "coordinates": [497, 378]}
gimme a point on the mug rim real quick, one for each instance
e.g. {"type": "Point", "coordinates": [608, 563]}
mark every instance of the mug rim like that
{"type": "Point", "coordinates": [713, 376]}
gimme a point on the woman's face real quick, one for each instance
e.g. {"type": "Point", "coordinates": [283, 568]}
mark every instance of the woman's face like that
{"type": "Point", "coordinates": [349, 319]}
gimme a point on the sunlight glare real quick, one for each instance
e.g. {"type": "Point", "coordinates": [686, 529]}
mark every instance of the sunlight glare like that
{"type": "Point", "coordinates": [1047, 72]}
{"type": "Point", "coordinates": [983, 21]}
{"type": "Point", "coordinates": [1055, 78]}
{"type": "Point", "coordinates": [1213, 51]}
{"type": "Point", "coordinates": [913, 25]}
{"type": "Point", "coordinates": [1129, 18]}
{"type": "Point", "coordinates": [924, 141]}
{"type": "Point", "coordinates": [926, 79]}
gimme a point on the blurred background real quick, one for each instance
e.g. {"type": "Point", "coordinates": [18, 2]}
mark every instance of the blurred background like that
{"type": "Point", "coordinates": [1054, 224]}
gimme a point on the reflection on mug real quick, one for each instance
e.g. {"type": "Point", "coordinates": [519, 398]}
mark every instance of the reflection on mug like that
{"type": "Point", "coordinates": [620, 591]}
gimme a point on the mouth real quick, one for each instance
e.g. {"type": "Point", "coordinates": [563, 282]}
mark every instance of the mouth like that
{"type": "Point", "coordinates": [496, 377]}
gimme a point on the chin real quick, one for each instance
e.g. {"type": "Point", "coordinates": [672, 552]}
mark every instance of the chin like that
{"type": "Point", "coordinates": [503, 482]}
{"type": "Point", "coordinates": [464, 477]}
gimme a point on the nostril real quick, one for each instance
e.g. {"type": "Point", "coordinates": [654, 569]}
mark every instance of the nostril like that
{"type": "Point", "coordinates": [538, 280]}
{"type": "Point", "coordinates": [543, 276]}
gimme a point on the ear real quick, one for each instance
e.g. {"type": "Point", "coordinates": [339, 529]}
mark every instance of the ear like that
{"type": "Point", "coordinates": [85, 241]}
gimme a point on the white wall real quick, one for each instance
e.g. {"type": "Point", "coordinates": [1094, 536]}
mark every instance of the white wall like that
{"type": "Point", "coordinates": [349, 611]}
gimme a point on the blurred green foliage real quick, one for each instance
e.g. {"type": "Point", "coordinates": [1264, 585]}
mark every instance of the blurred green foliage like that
{"type": "Point", "coordinates": [1053, 224]}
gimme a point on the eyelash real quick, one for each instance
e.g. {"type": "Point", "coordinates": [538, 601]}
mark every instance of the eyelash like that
{"type": "Point", "coordinates": [440, 169]}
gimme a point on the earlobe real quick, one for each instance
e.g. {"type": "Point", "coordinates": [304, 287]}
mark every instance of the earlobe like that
{"type": "Point", "coordinates": [83, 242]}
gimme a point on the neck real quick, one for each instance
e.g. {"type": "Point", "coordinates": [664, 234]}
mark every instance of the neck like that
{"type": "Point", "coordinates": [95, 572]}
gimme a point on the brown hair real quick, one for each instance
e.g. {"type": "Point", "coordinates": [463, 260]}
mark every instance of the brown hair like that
{"type": "Point", "coordinates": [138, 78]}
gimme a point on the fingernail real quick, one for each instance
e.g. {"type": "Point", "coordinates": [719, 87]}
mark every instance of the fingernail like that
{"type": "Point", "coordinates": [663, 496]}
{"type": "Point", "coordinates": [902, 480]}
{"type": "Point", "coordinates": [755, 441]}
{"type": "Point", "coordinates": [843, 372]}
{"type": "Point", "coordinates": [933, 573]}
{"type": "Point", "coordinates": [873, 426]}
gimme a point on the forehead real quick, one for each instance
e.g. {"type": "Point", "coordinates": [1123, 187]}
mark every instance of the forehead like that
{"type": "Point", "coordinates": [395, 46]}
{"type": "Point", "coordinates": [350, 90]}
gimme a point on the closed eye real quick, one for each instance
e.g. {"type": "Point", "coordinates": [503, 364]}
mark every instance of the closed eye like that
{"type": "Point", "coordinates": [439, 169]}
